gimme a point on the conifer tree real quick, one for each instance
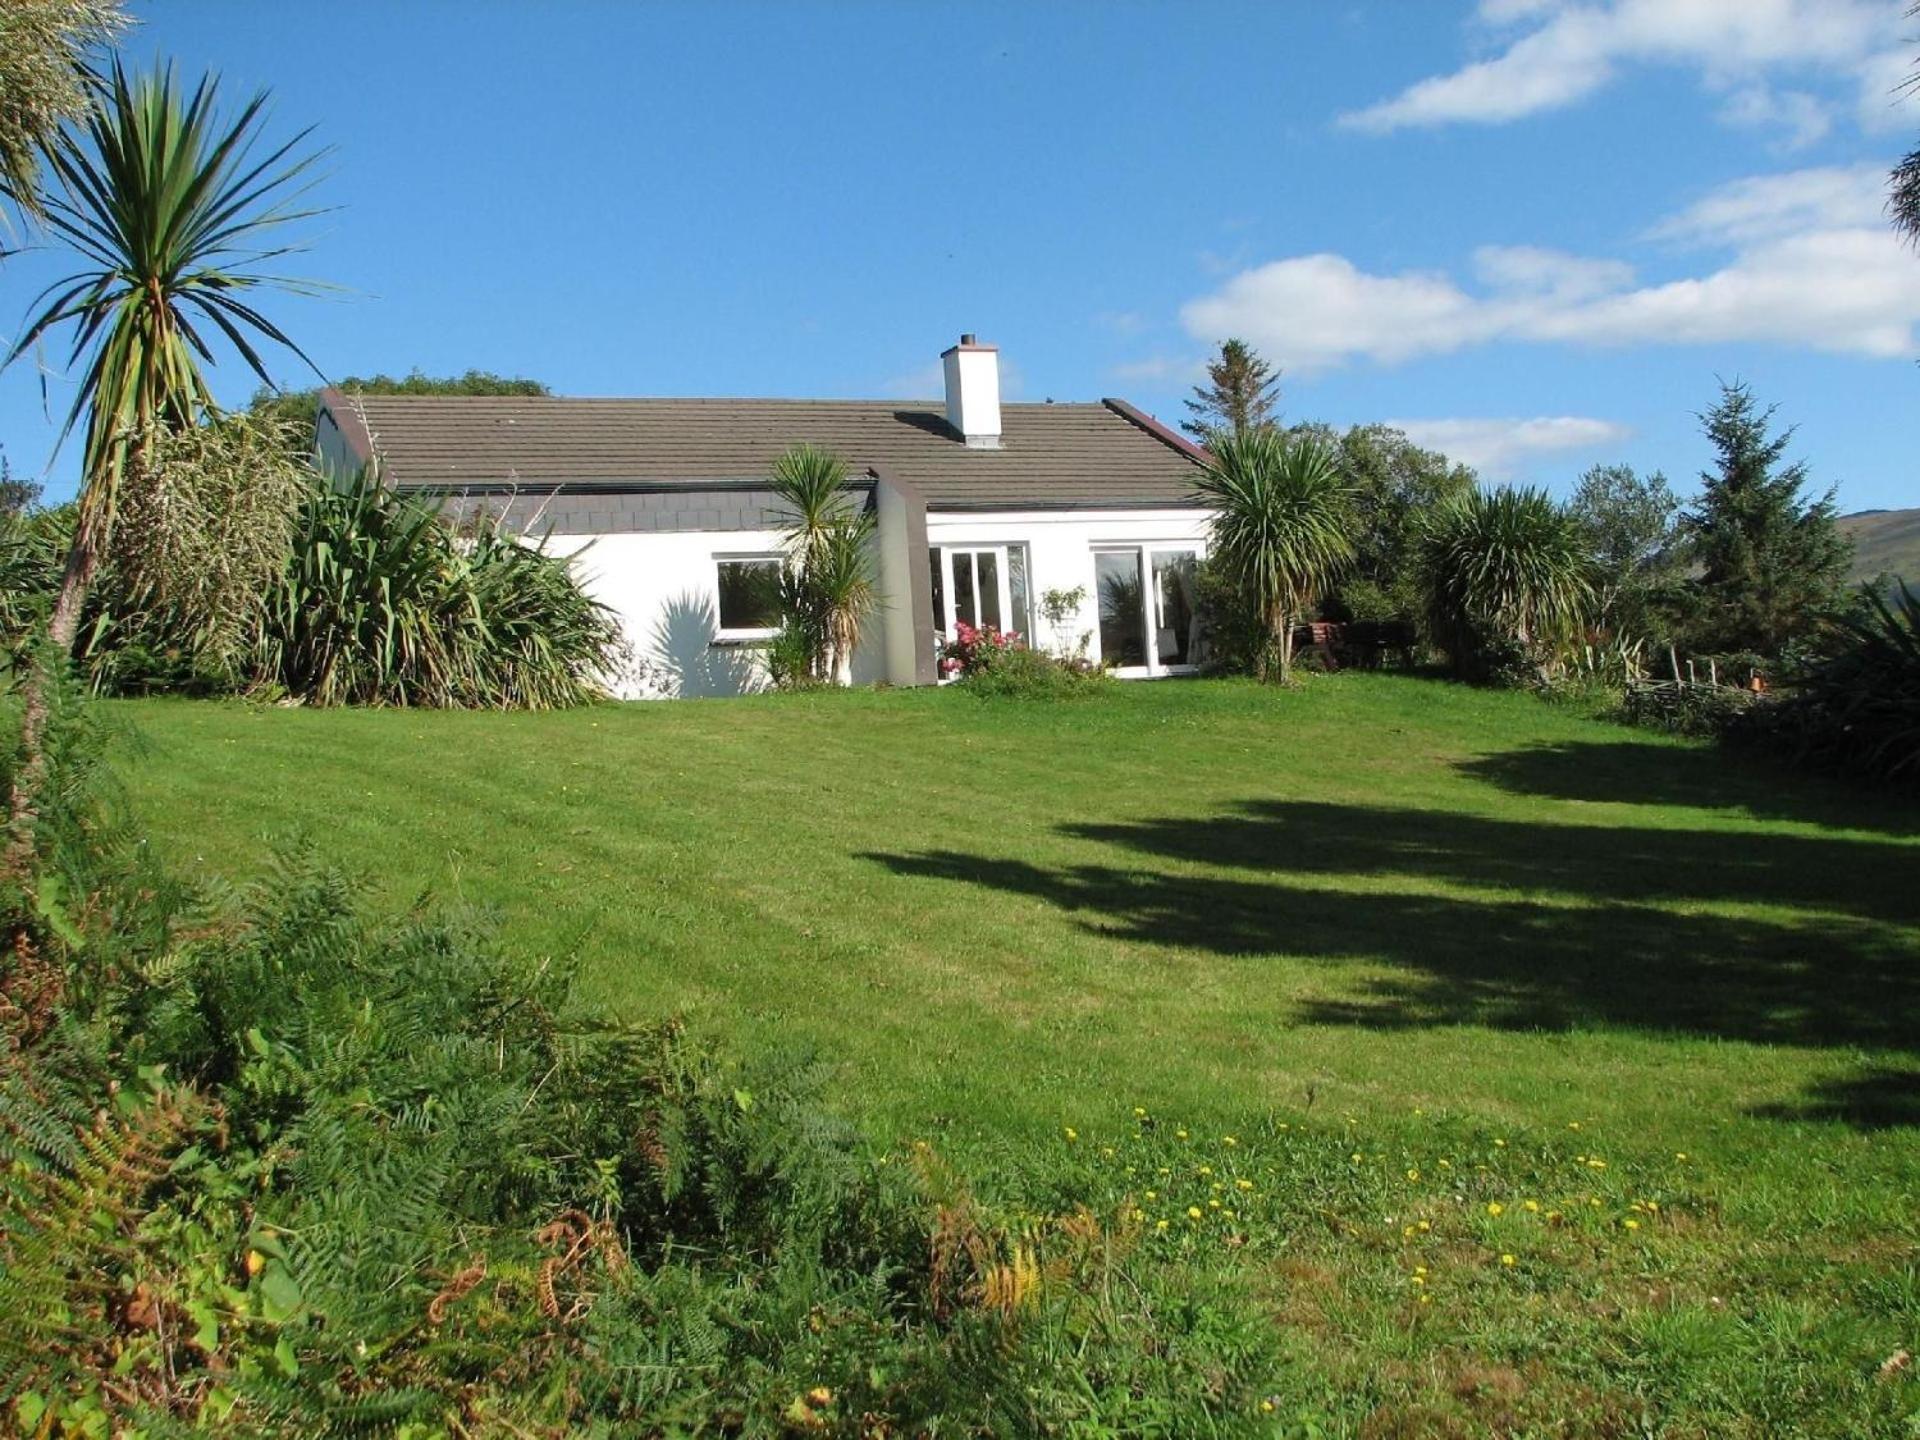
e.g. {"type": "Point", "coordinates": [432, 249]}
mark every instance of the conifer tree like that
{"type": "Point", "coordinates": [1241, 394]}
{"type": "Point", "coordinates": [1768, 560]}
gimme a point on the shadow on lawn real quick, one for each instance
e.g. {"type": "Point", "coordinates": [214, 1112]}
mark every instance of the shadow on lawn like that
{"type": "Point", "coordinates": [1637, 773]}
{"type": "Point", "coordinates": [1611, 958]}
{"type": "Point", "coordinates": [1885, 1098]}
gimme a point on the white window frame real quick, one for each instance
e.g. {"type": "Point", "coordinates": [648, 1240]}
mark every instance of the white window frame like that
{"type": "Point", "coordinates": [947, 621]}
{"type": "Point", "coordinates": [742, 634]}
{"type": "Point", "coordinates": [1143, 552]}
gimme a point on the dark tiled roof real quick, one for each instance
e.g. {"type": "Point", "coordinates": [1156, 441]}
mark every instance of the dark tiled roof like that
{"type": "Point", "coordinates": [1050, 455]}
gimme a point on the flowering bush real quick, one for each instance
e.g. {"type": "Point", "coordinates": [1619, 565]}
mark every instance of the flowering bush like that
{"type": "Point", "coordinates": [975, 648]}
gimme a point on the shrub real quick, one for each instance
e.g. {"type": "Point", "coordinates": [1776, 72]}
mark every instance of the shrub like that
{"type": "Point", "coordinates": [1857, 708]}
{"type": "Point", "coordinates": [382, 604]}
{"type": "Point", "coordinates": [976, 647]}
{"type": "Point", "coordinates": [1680, 708]}
{"type": "Point", "coordinates": [1018, 673]}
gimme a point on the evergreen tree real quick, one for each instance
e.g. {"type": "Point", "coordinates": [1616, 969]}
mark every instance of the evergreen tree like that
{"type": "Point", "coordinates": [1768, 560]}
{"type": "Point", "coordinates": [1241, 393]}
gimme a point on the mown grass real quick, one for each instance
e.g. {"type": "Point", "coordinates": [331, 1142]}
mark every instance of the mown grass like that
{"type": "Point", "coordinates": [1377, 917]}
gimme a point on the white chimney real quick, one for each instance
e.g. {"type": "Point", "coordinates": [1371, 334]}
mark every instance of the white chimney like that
{"type": "Point", "coordinates": [973, 392]}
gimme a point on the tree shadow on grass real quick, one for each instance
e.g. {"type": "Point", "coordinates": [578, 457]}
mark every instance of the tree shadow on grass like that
{"type": "Point", "coordinates": [1602, 960]}
{"type": "Point", "coordinates": [1884, 1098]}
{"type": "Point", "coordinates": [1638, 773]}
{"type": "Point", "coordinates": [1627, 864]}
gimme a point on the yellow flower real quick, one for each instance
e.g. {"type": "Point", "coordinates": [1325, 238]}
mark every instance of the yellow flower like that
{"type": "Point", "coordinates": [1680, 1155]}
{"type": "Point", "coordinates": [1426, 1225]}
{"type": "Point", "coordinates": [1228, 1214]}
{"type": "Point", "coordinates": [1413, 1174]}
{"type": "Point", "coordinates": [1420, 1270]}
{"type": "Point", "coordinates": [1179, 1134]}
{"type": "Point", "coordinates": [1533, 1205]}
{"type": "Point", "coordinates": [1419, 1280]}
{"type": "Point", "coordinates": [1206, 1169]}
{"type": "Point", "coordinates": [1426, 1299]}
{"type": "Point", "coordinates": [1553, 1214]}
{"type": "Point", "coordinates": [1654, 1206]}
{"type": "Point", "coordinates": [1153, 1194]}
{"type": "Point", "coordinates": [1159, 1224]}
{"type": "Point", "coordinates": [1139, 1112]}
{"type": "Point", "coordinates": [819, 1395]}
{"type": "Point", "coordinates": [1138, 1216]}
{"type": "Point", "coordinates": [1596, 1163]}
{"type": "Point", "coordinates": [1193, 1212]}
{"type": "Point", "coordinates": [1356, 1157]}
{"type": "Point", "coordinates": [1213, 1204]}
{"type": "Point", "coordinates": [1446, 1164]}
{"type": "Point", "coordinates": [1406, 1232]}
{"type": "Point", "coordinates": [1494, 1207]}
{"type": "Point", "coordinates": [1228, 1140]}
{"type": "Point", "coordinates": [1631, 1224]}
{"type": "Point", "coordinates": [1501, 1143]}
{"type": "Point", "coordinates": [1266, 1407]}
{"type": "Point", "coordinates": [1243, 1184]}
{"type": "Point", "coordinates": [1573, 1125]}
{"type": "Point", "coordinates": [1106, 1152]}
{"type": "Point", "coordinates": [1072, 1134]}
{"type": "Point", "coordinates": [1508, 1260]}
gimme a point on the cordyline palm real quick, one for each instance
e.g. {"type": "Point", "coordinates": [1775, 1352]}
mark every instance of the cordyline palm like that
{"type": "Point", "coordinates": [168, 206]}
{"type": "Point", "coordinates": [1506, 564]}
{"type": "Point", "coordinates": [1903, 203]}
{"type": "Point", "coordinates": [827, 545]}
{"type": "Point", "coordinates": [1282, 527]}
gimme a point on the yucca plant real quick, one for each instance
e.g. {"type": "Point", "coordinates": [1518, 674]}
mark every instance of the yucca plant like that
{"type": "Point", "coordinates": [1282, 528]}
{"type": "Point", "coordinates": [1504, 570]}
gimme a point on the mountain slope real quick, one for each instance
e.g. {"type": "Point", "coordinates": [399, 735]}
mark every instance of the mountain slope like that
{"type": "Point", "coordinates": [1885, 541]}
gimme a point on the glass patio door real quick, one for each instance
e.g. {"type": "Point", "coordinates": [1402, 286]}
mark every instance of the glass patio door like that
{"type": "Point", "coordinates": [981, 585]}
{"type": "Point", "coordinates": [1149, 619]}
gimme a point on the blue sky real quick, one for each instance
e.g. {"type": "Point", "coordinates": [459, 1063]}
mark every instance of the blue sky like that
{"type": "Point", "coordinates": [1532, 231]}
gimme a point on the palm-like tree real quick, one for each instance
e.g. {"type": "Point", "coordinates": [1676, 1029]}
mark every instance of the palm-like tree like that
{"type": "Point", "coordinates": [1506, 565]}
{"type": "Point", "coordinates": [170, 208]}
{"type": "Point", "coordinates": [1282, 527]}
{"type": "Point", "coordinates": [831, 588]}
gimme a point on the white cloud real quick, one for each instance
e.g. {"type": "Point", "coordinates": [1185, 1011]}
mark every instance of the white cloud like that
{"type": "Point", "coordinates": [1497, 448]}
{"type": "Point", "coordinates": [1813, 265]}
{"type": "Point", "coordinates": [1569, 51]}
{"type": "Point", "coordinates": [1802, 118]}
{"type": "Point", "coordinates": [1766, 206]}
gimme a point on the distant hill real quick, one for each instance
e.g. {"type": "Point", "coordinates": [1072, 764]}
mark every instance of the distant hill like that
{"type": "Point", "coordinates": [1885, 540]}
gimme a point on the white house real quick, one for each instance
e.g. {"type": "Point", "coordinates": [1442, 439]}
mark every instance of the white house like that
{"type": "Point", "coordinates": [982, 509]}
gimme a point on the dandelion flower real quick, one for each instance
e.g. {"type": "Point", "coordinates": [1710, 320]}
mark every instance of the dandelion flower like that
{"type": "Point", "coordinates": [1573, 1125]}
{"type": "Point", "coordinates": [1532, 1205]}
{"type": "Point", "coordinates": [1494, 1207]}
{"type": "Point", "coordinates": [1193, 1212]}
{"type": "Point", "coordinates": [1206, 1170]}
{"type": "Point", "coordinates": [1446, 1164]}
{"type": "Point", "coordinates": [1159, 1224]}
{"type": "Point", "coordinates": [1426, 1225]}
{"type": "Point", "coordinates": [1508, 1260]}
{"type": "Point", "coordinates": [1072, 1134]}
{"type": "Point", "coordinates": [1680, 1155]}
{"type": "Point", "coordinates": [1213, 1204]}
{"type": "Point", "coordinates": [1501, 1144]}
{"type": "Point", "coordinates": [1228, 1141]}
{"type": "Point", "coordinates": [1179, 1134]}
{"type": "Point", "coordinates": [1413, 1174]}
{"type": "Point", "coordinates": [1356, 1157]}
{"type": "Point", "coordinates": [1153, 1194]}
{"type": "Point", "coordinates": [819, 1395]}
{"type": "Point", "coordinates": [1139, 1112]}
{"type": "Point", "coordinates": [1426, 1299]}
{"type": "Point", "coordinates": [1631, 1224]}
{"type": "Point", "coordinates": [1243, 1184]}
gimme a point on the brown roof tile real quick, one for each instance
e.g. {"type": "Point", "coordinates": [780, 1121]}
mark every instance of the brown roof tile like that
{"type": "Point", "coordinates": [1050, 455]}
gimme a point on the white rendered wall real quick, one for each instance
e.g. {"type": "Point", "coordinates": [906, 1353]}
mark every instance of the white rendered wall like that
{"type": "Point", "coordinates": [1060, 546]}
{"type": "Point", "coordinates": [665, 590]}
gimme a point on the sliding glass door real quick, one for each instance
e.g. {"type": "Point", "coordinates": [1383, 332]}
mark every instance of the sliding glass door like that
{"type": "Point", "coordinates": [1149, 619]}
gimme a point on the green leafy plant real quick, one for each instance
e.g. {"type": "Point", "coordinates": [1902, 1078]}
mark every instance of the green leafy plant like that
{"type": "Point", "coordinates": [1508, 582]}
{"type": "Point", "coordinates": [831, 592]}
{"type": "Point", "coordinates": [1281, 528]}
{"type": "Point", "coordinates": [383, 604]}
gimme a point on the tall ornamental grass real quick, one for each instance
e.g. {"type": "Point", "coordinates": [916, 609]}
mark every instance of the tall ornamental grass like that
{"type": "Point", "coordinates": [383, 604]}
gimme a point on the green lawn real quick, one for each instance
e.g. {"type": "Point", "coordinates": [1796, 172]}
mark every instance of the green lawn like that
{"type": "Point", "coordinates": [1388, 908]}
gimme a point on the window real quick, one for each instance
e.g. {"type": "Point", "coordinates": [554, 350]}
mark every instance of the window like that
{"type": "Point", "coordinates": [749, 590]}
{"type": "Point", "coordinates": [980, 585]}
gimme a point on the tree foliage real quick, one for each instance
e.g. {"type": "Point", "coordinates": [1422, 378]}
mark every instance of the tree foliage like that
{"type": "Point", "coordinates": [1394, 484]}
{"type": "Point", "coordinates": [296, 410]}
{"type": "Point", "coordinates": [1903, 202]}
{"type": "Point", "coordinates": [1281, 529]}
{"type": "Point", "coordinates": [1633, 537]}
{"type": "Point", "coordinates": [45, 81]}
{"type": "Point", "coordinates": [1242, 392]}
{"type": "Point", "coordinates": [1769, 561]}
